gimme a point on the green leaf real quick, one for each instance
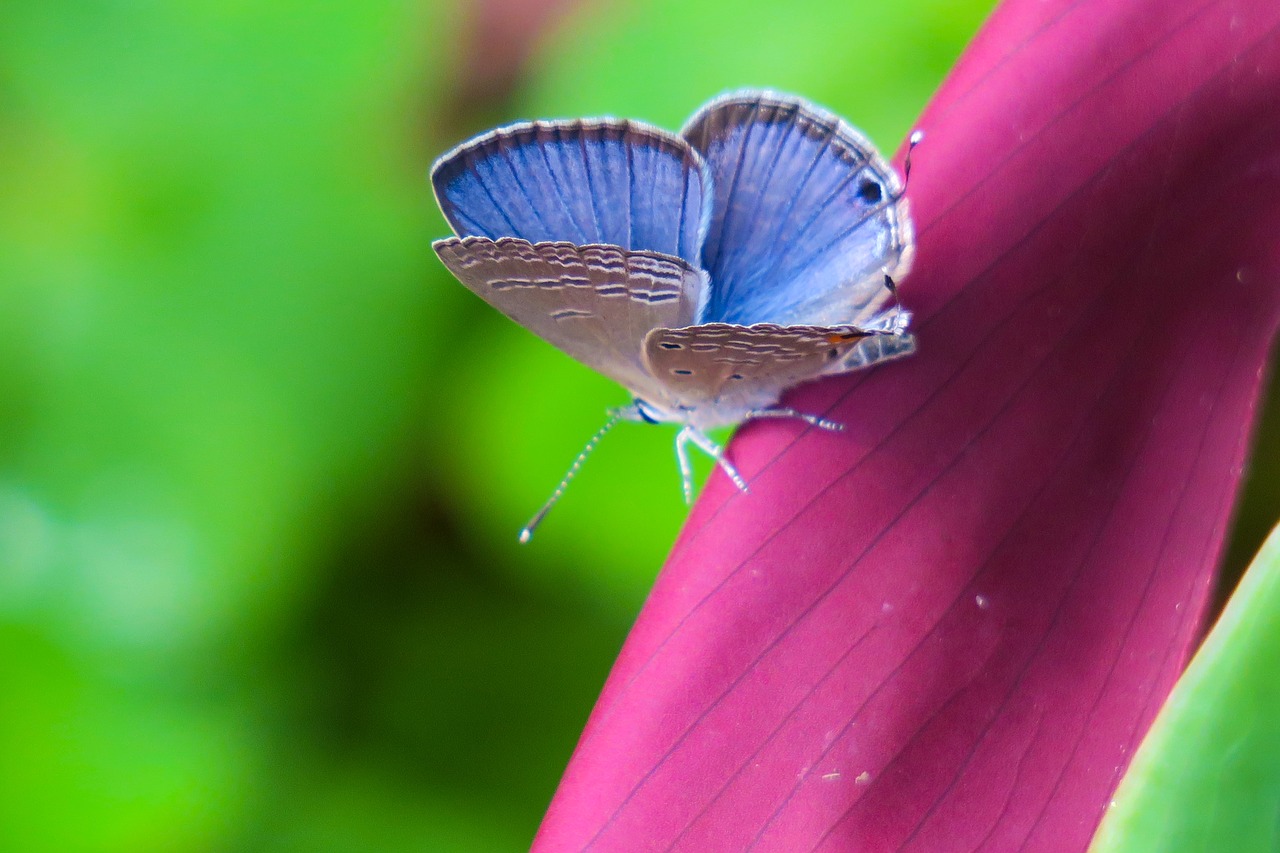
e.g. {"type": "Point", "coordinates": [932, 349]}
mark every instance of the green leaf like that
{"type": "Point", "coordinates": [1207, 777]}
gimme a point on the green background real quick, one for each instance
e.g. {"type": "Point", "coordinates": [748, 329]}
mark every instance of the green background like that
{"type": "Point", "coordinates": [262, 462]}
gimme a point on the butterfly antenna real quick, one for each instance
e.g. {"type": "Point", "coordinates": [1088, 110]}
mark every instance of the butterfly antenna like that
{"type": "Point", "coordinates": [526, 532]}
{"type": "Point", "coordinates": [916, 137]}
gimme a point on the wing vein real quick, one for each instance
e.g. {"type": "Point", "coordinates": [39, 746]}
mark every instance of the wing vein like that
{"type": "Point", "coordinates": [591, 190]}
{"type": "Point", "coordinates": [727, 283]}
{"type": "Point", "coordinates": [559, 194]}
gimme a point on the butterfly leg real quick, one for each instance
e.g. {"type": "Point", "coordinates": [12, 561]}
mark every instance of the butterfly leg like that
{"type": "Point", "coordinates": [686, 470]}
{"type": "Point", "coordinates": [812, 420]}
{"type": "Point", "coordinates": [716, 452]}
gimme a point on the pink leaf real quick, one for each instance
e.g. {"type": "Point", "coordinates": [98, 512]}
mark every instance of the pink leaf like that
{"type": "Point", "coordinates": [948, 627]}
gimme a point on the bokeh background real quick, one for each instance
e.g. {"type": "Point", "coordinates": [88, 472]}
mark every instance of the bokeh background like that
{"type": "Point", "coordinates": [262, 461]}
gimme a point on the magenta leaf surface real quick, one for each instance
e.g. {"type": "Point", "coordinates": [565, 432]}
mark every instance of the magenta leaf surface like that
{"type": "Point", "coordinates": [948, 627]}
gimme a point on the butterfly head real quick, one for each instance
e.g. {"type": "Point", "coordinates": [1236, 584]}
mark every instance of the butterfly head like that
{"type": "Point", "coordinates": [643, 411]}
{"type": "Point", "coordinates": [707, 416]}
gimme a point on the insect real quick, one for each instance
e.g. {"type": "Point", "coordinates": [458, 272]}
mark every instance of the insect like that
{"type": "Point", "coordinates": [706, 272]}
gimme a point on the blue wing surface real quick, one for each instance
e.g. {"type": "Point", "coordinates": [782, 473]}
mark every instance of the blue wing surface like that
{"type": "Point", "coordinates": [807, 217]}
{"type": "Point", "coordinates": [603, 181]}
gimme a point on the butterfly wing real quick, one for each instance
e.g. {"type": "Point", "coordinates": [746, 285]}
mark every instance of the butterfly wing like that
{"type": "Point", "coordinates": [724, 370]}
{"type": "Point", "coordinates": [602, 181]}
{"type": "Point", "coordinates": [807, 216]}
{"type": "Point", "coordinates": [596, 303]}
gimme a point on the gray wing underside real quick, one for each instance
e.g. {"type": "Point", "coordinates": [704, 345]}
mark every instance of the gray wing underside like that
{"type": "Point", "coordinates": [808, 217]}
{"type": "Point", "coordinates": [597, 303]}
{"type": "Point", "coordinates": [738, 368]}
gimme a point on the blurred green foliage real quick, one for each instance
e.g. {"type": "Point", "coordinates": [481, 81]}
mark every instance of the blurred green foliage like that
{"type": "Point", "coordinates": [262, 462]}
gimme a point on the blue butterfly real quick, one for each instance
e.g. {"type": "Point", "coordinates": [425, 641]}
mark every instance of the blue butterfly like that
{"type": "Point", "coordinates": [706, 272]}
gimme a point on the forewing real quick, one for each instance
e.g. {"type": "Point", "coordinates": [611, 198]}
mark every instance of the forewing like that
{"type": "Point", "coordinates": [806, 218]}
{"type": "Point", "coordinates": [585, 182]}
{"type": "Point", "coordinates": [594, 302]}
{"type": "Point", "coordinates": [734, 369]}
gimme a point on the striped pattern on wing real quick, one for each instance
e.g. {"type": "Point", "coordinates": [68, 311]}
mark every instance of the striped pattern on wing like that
{"type": "Point", "coordinates": [604, 181]}
{"type": "Point", "coordinates": [737, 368]}
{"type": "Point", "coordinates": [805, 220]}
{"type": "Point", "coordinates": [596, 303]}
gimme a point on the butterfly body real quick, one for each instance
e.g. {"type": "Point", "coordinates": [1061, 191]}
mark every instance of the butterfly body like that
{"type": "Point", "coordinates": [706, 272]}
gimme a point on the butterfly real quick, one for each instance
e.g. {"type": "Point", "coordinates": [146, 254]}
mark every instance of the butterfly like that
{"type": "Point", "coordinates": [706, 272]}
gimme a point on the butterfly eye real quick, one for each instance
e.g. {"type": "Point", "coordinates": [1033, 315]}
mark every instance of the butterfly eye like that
{"type": "Point", "coordinates": [869, 191]}
{"type": "Point", "coordinates": [642, 409]}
